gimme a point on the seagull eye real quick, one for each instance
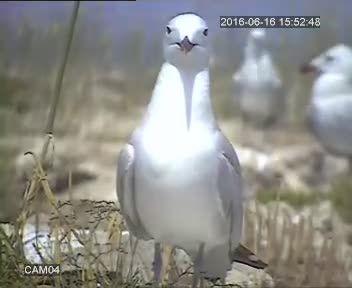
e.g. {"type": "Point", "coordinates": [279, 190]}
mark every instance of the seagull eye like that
{"type": "Point", "coordinates": [329, 58]}
{"type": "Point", "coordinates": [205, 32]}
{"type": "Point", "coordinates": [168, 30]}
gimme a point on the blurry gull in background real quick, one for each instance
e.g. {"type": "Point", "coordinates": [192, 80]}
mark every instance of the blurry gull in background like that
{"type": "Point", "coordinates": [330, 109]}
{"type": "Point", "coordinates": [257, 86]}
{"type": "Point", "coordinates": [179, 179]}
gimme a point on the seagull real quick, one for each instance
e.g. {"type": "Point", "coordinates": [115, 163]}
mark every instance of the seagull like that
{"type": "Point", "coordinates": [330, 108]}
{"type": "Point", "coordinates": [257, 86]}
{"type": "Point", "coordinates": [179, 178]}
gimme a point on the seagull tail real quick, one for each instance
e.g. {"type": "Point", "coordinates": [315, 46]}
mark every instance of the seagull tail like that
{"type": "Point", "coordinates": [244, 256]}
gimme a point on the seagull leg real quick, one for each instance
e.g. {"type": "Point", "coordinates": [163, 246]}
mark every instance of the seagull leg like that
{"type": "Point", "coordinates": [201, 282]}
{"type": "Point", "coordinates": [166, 256]}
{"type": "Point", "coordinates": [157, 263]}
{"type": "Point", "coordinates": [197, 265]}
{"type": "Point", "coordinates": [173, 274]}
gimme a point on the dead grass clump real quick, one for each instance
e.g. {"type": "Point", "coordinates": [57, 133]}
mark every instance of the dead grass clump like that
{"type": "Point", "coordinates": [341, 197]}
{"type": "Point", "coordinates": [295, 199]}
{"type": "Point", "coordinates": [10, 260]}
{"type": "Point", "coordinates": [85, 238]}
{"type": "Point", "coordinates": [298, 254]}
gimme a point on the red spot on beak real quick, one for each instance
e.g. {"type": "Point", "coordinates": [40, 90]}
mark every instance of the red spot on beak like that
{"type": "Point", "coordinates": [186, 45]}
{"type": "Point", "coordinates": [308, 68]}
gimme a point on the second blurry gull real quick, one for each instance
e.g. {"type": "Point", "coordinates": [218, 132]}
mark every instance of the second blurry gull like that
{"type": "Point", "coordinates": [257, 85]}
{"type": "Point", "coordinates": [330, 109]}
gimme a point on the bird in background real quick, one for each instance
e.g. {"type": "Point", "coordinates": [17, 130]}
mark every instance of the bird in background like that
{"type": "Point", "coordinates": [257, 87]}
{"type": "Point", "coordinates": [179, 178]}
{"type": "Point", "coordinates": [330, 109]}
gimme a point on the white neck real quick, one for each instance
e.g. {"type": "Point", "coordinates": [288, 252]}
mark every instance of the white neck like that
{"type": "Point", "coordinates": [252, 51]}
{"type": "Point", "coordinates": [331, 84]}
{"type": "Point", "coordinates": [180, 100]}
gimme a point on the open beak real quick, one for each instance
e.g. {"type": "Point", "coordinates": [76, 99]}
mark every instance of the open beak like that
{"type": "Point", "coordinates": [308, 68]}
{"type": "Point", "coordinates": [186, 45]}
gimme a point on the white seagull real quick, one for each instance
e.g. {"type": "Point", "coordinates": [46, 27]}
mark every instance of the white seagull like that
{"type": "Point", "coordinates": [179, 179]}
{"type": "Point", "coordinates": [257, 86]}
{"type": "Point", "coordinates": [330, 109]}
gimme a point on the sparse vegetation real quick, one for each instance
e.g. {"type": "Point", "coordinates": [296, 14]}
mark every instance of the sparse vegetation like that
{"type": "Point", "coordinates": [341, 197]}
{"type": "Point", "coordinates": [10, 275]}
{"type": "Point", "coordinates": [295, 199]}
{"type": "Point", "coordinates": [9, 194]}
{"type": "Point", "coordinates": [298, 254]}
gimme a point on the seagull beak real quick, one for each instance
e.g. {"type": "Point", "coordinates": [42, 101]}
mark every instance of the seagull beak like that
{"type": "Point", "coordinates": [308, 68]}
{"type": "Point", "coordinates": [186, 45]}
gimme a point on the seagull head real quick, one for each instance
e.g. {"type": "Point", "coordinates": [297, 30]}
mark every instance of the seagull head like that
{"type": "Point", "coordinates": [186, 42]}
{"type": "Point", "coordinates": [336, 60]}
{"type": "Point", "coordinates": [257, 35]}
{"type": "Point", "coordinates": [256, 42]}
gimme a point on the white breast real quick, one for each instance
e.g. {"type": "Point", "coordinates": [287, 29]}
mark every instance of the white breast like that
{"type": "Point", "coordinates": [178, 201]}
{"type": "Point", "coordinates": [331, 119]}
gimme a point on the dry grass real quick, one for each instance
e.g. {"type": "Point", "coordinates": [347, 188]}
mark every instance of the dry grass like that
{"type": "Point", "coordinates": [296, 199]}
{"type": "Point", "coordinates": [341, 197]}
{"type": "Point", "coordinates": [298, 254]}
{"type": "Point", "coordinates": [96, 262]}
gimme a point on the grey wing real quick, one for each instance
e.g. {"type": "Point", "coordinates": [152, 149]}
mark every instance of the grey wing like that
{"type": "Point", "coordinates": [126, 192]}
{"type": "Point", "coordinates": [229, 183]}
